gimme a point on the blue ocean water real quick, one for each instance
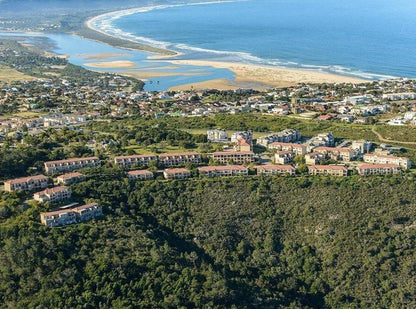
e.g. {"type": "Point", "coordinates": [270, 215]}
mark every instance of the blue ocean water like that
{"type": "Point", "coordinates": [372, 39]}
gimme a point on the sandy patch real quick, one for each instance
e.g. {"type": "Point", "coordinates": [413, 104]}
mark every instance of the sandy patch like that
{"type": "Point", "coordinates": [101, 56]}
{"type": "Point", "coordinates": [219, 84]}
{"type": "Point", "coordinates": [118, 64]}
{"type": "Point", "coordinates": [272, 76]}
{"type": "Point", "coordinates": [151, 74]}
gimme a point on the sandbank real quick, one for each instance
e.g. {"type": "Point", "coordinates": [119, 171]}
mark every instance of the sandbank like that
{"type": "Point", "coordinates": [219, 84]}
{"type": "Point", "coordinates": [101, 56]}
{"type": "Point", "coordinates": [152, 74]}
{"type": "Point", "coordinates": [117, 64]}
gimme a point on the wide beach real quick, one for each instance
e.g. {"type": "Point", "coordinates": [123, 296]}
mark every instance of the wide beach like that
{"type": "Point", "coordinates": [245, 75]}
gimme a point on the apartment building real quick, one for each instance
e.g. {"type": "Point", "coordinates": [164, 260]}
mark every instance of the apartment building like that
{"type": "Point", "coordinates": [176, 173]}
{"type": "Point", "coordinates": [361, 146]}
{"type": "Point", "coordinates": [26, 183]}
{"type": "Point", "coordinates": [129, 161]}
{"type": "Point", "coordinates": [70, 178]}
{"type": "Point", "coordinates": [332, 170]}
{"type": "Point", "coordinates": [140, 175]}
{"type": "Point", "coordinates": [298, 149]}
{"type": "Point", "coordinates": [70, 216]}
{"type": "Point", "coordinates": [223, 171]}
{"type": "Point", "coordinates": [53, 195]}
{"type": "Point", "coordinates": [171, 159]}
{"type": "Point", "coordinates": [314, 158]}
{"type": "Point", "coordinates": [285, 136]}
{"type": "Point", "coordinates": [281, 170]}
{"type": "Point", "coordinates": [284, 157]}
{"type": "Point", "coordinates": [387, 159]}
{"type": "Point", "coordinates": [53, 167]}
{"type": "Point", "coordinates": [237, 157]}
{"type": "Point", "coordinates": [338, 154]}
{"type": "Point", "coordinates": [217, 136]}
{"type": "Point", "coordinates": [380, 169]}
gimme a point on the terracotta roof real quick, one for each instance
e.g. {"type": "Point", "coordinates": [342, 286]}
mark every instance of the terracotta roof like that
{"type": "Point", "coordinates": [135, 156]}
{"type": "Point", "coordinates": [218, 153]}
{"type": "Point", "coordinates": [176, 170]}
{"type": "Point", "coordinates": [328, 167]}
{"type": "Point", "coordinates": [85, 206]}
{"type": "Point", "coordinates": [193, 153]}
{"type": "Point", "coordinates": [53, 190]}
{"type": "Point", "coordinates": [71, 160]}
{"type": "Point", "coordinates": [384, 156]}
{"type": "Point", "coordinates": [284, 152]}
{"type": "Point", "coordinates": [71, 175]}
{"type": "Point", "coordinates": [368, 166]}
{"type": "Point", "coordinates": [221, 168]}
{"type": "Point", "coordinates": [58, 212]}
{"type": "Point", "coordinates": [140, 172]}
{"type": "Point", "coordinates": [275, 167]}
{"type": "Point", "coordinates": [25, 179]}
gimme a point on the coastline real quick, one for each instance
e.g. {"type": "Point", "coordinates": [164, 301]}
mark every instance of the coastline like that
{"type": "Point", "coordinates": [262, 77]}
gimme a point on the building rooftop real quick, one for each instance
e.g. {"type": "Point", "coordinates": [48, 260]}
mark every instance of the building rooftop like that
{"type": "Point", "coordinates": [221, 168]}
{"type": "Point", "coordinates": [25, 179]}
{"type": "Point", "coordinates": [71, 160]}
{"type": "Point", "coordinates": [70, 175]}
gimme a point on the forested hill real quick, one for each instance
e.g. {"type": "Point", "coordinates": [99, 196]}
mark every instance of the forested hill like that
{"type": "Point", "coordinates": [225, 243]}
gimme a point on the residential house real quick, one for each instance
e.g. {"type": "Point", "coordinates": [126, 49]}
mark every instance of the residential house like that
{"type": "Point", "coordinates": [176, 173]}
{"type": "Point", "coordinates": [53, 167]}
{"type": "Point", "coordinates": [140, 175]}
{"type": "Point", "coordinates": [271, 169]}
{"type": "Point", "coordinates": [284, 157]}
{"type": "Point", "coordinates": [129, 161]}
{"type": "Point", "coordinates": [332, 170]}
{"type": "Point", "coordinates": [70, 216]}
{"type": "Point", "coordinates": [372, 169]}
{"type": "Point", "coordinates": [70, 178]}
{"type": "Point", "coordinates": [222, 171]}
{"type": "Point", "coordinates": [171, 159]}
{"type": "Point", "coordinates": [53, 195]}
{"type": "Point", "coordinates": [237, 157]}
{"type": "Point", "coordinates": [387, 159]}
{"type": "Point", "coordinates": [26, 183]}
{"type": "Point", "coordinates": [298, 149]}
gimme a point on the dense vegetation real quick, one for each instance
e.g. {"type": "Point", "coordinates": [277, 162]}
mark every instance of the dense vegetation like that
{"type": "Point", "coordinates": [308, 242]}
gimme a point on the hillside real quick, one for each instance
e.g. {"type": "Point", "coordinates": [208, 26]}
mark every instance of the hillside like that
{"type": "Point", "coordinates": [233, 243]}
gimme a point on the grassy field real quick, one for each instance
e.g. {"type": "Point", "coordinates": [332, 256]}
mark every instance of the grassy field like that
{"type": "Point", "coordinates": [8, 75]}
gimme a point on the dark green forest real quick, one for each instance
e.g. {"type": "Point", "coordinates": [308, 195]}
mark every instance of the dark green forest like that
{"type": "Point", "coordinates": [305, 242]}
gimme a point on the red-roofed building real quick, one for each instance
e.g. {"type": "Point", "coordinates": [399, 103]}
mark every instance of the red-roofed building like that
{"type": "Point", "coordinates": [53, 167]}
{"type": "Point", "coordinates": [387, 159]}
{"type": "Point", "coordinates": [281, 170]}
{"type": "Point", "coordinates": [140, 175]}
{"type": "Point", "coordinates": [372, 169]}
{"type": "Point", "coordinates": [171, 159]}
{"type": "Point", "coordinates": [70, 216]}
{"type": "Point", "coordinates": [223, 171]}
{"type": "Point", "coordinates": [129, 161]}
{"type": "Point", "coordinates": [67, 179]}
{"type": "Point", "coordinates": [332, 170]}
{"type": "Point", "coordinates": [53, 195]}
{"type": "Point", "coordinates": [343, 154]}
{"type": "Point", "coordinates": [237, 157]}
{"type": "Point", "coordinates": [26, 183]}
{"type": "Point", "coordinates": [176, 173]}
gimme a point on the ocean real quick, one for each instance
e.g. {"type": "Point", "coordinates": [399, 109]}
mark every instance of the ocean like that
{"type": "Point", "coordinates": [371, 39]}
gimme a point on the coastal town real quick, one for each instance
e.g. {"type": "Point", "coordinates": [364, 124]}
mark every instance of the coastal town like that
{"type": "Point", "coordinates": [37, 109]}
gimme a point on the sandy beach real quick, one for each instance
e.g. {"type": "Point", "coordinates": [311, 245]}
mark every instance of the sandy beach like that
{"type": "Point", "coordinates": [271, 76]}
{"type": "Point", "coordinates": [246, 75]}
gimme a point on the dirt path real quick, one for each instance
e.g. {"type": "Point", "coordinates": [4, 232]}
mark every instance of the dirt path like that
{"type": "Point", "coordinates": [382, 139]}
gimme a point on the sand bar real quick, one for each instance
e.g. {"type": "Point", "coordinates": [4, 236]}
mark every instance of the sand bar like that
{"type": "Point", "coordinates": [152, 74]}
{"type": "Point", "coordinates": [219, 84]}
{"type": "Point", "coordinates": [101, 56]}
{"type": "Point", "coordinates": [118, 64]}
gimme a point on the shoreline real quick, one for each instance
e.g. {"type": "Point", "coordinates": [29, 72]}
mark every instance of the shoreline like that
{"type": "Point", "coordinates": [263, 77]}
